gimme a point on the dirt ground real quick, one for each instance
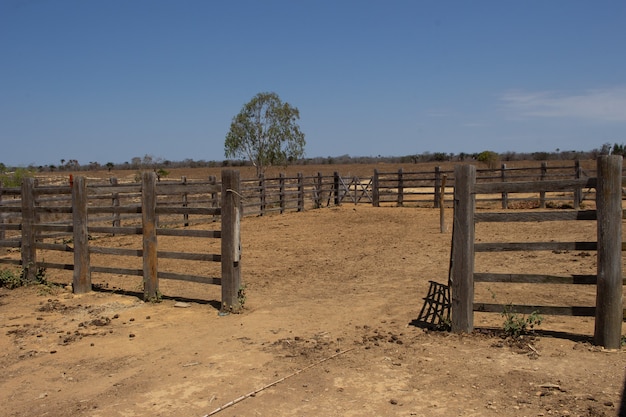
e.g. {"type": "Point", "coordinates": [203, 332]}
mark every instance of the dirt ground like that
{"type": "Point", "coordinates": [332, 296]}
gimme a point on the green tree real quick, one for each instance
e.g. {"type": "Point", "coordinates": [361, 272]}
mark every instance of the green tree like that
{"type": "Point", "coordinates": [266, 132]}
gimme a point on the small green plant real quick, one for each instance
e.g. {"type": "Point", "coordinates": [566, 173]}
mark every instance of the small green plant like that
{"type": "Point", "coordinates": [10, 279]}
{"type": "Point", "coordinates": [157, 298]}
{"type": "Point", "coordinates": [241, 295]}
{"type": "Point", "coordinates": [516, 325]}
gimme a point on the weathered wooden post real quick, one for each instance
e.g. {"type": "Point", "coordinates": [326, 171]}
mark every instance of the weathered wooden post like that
{"type": "Point", "coordinates": [437, 200]}
{"type": "Point", "coordinates": [262, 194]}
{"type": "Point", "coordinates": [375, 190]}
{"type": "Point", "coordinates": [336, 188]}
{"type": "Point", "coordinates": [281, 191]}
{"type": "Point", "coordinates": [462, 276]}
{"type": "Point", "coordinates": [542, 194]}
{"type": "Point", "coordinates": [115, 202]}
{"type": "Point", "coordinates": [29, 251]}
{"type": "Point", "coordinates": [578, 192]}
{"type": "Point", "coordinates": [300, 191]}
{"type": "Point", "coordinates": [318, 193]}
{"type": "Point", "coordinates": [231, 242]}
{"type": "Point", "coordinates": [81, 278]}
{"type": "Point", "coordinates": [149, 226]}
{"type": "Point", "coordinates": [400, 189]}
{"type": "Point", "coordinates": [609, 309]}
{"type": "Point", "coordinates": [185, 202]}
{"type": "Point", "coordinates": [505, 195]}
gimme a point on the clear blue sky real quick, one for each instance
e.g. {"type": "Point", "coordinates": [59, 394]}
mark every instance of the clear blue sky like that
{"type": "Point", "coordinates": [109, 80]}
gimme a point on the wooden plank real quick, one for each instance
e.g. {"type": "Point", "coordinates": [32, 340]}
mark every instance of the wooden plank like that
{"type": "Point", "coordinates": [8, 243]}
{"type": "Point", "coordinates": [114, 188]}
{"type": "Point", "coordinates": [208, 211]}
{"type": "Point", "coordinates": [190, 278]}
{"type": "Point", "coordinates": [534, 246]}
{"type": "Point", "coordinates": [582, 311]}
{"type": "Point", "coordinates": [119, 271]}
{"type": "Point", "coordinates": [536, 278]}
{"type": "Point", "coordinates": [462, 271]}
{"type": "Point", "coordinates": [134, 209]}
{"type": "Point", "coordinates": [533, 186]}
{"type": "Point", "coordinates": [189, 256]}
{"type": "Point", "coordinates": [116, 230]}
{"type": "Point", "coordinates": [46, 227]}
{"type": "Point", "coordinates": [609, 316]}
{"type": "Point", "coordinates": [81, 278]}
{"type": "Point", "coordinates": [536, 216]}
{"type": "Point", "coordinates": [189, 188]}
{"type": "Point", "coordinates": [149, 227]}
{"type": "Point", "coordinates": [52, 265]}
{"type": "Point", "coordinates": [116, 251]}
{"type": "Point", "coordinates": [61, 247]}
{"type": "Point", "coordinates": [11, 261]}
{"type": "Point", "coordinates": [211, 234]}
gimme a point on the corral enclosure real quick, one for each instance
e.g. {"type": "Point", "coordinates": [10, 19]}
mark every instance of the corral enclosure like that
{"type": "Point", "coordinates": [318, 283]}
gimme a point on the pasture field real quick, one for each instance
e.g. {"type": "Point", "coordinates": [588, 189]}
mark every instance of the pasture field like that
{"type": "Point", "coordinates": [344, 283]}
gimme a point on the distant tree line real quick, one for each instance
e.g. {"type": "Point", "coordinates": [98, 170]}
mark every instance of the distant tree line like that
{"type": "Point", "coordinates": [160, 165]}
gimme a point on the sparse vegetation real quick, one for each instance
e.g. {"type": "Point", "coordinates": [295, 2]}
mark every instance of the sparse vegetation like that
{"type": "Point", "coordinates": [516, 325]}
{"type": "Point", "coordinates": [11, 278]}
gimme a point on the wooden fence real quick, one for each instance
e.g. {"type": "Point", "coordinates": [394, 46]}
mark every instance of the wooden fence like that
{"type": "Point", "coordinates": [79, 212]}
{"type": "Point", "coordinates": [608, 185]}
{"type": "Point", "coordinates": [402, 188]}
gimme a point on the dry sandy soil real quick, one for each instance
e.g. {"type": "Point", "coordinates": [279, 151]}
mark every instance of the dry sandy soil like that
{"type": "Point", "coordinates": [332, 296]}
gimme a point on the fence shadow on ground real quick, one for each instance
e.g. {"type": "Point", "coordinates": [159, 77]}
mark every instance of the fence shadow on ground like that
{"type": "Point", "coordinates": [216, 304]}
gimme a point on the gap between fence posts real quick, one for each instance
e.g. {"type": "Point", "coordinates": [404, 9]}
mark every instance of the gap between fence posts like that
{"type": "Point", "coordinates": [462, 275]}
{"type": "Point", "coordinates": [231, 242]}
{"type": "Point", "coordinates": [609, 309]}
{"type": "Point", "coordinates": [81, 276]}
{"type": "Point", "coordinates": [149, 226]}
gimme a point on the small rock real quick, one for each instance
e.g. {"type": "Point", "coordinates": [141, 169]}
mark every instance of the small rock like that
{"type": "Point", "coordinates": [131, 335]}
{"type": "Point", "coordinates": [180, 304]}
{"type": "Point", "coordinates": [393, 401]}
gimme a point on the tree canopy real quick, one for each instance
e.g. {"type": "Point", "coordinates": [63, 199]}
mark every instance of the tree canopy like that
{"type": "Point", "coordinates": [266, 132]}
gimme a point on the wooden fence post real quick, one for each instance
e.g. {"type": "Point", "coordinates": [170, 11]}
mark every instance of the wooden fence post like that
{"type": "Point", "coordinates": [578, 192]}
{"type": "Point", "coordinates": [437, 186]}
{"type": "Point", "coordinates": [609, 309]}
{"type": "Point", "coordinates": [400, 188]}
{"type": "Point", "coordinates": [375, 190]}
{"type": "Point", "coordinates": [149, 226]}
{"type": "Point", "coordinates": [462, 276]}
{"type": "Point", "coordinates": [185, 202]}
{"type": "Point", "coordinates": [231, 242]}
{"type": "Point", "coordinates": [115, 202]}
{"type": "Point", "coordinates": [318, 194]}
{"type": "Point", "coordinates": [281, 191]}
{"type": "Point", "coordinates": [505, 195]}
{"type": "Point", "coordinates": [262, 195]}
{"type": "Point", "coordinates": [29, 251]}
{"type": "Point", "coordinates": [336, 188]}
{"type": "Point", "coordinates": [542, 194]}
{"type": "Point", "coordinates": [81, 278]}
{"type": "Point", "coordinates": [300, 191]}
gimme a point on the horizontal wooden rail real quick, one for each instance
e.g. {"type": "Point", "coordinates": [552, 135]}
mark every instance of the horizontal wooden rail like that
{"type": "Point", "coordinates": [534, 246]}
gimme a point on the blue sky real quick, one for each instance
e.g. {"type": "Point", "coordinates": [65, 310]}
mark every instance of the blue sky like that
{"type": "Point", "coordinates": [109, 80]}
